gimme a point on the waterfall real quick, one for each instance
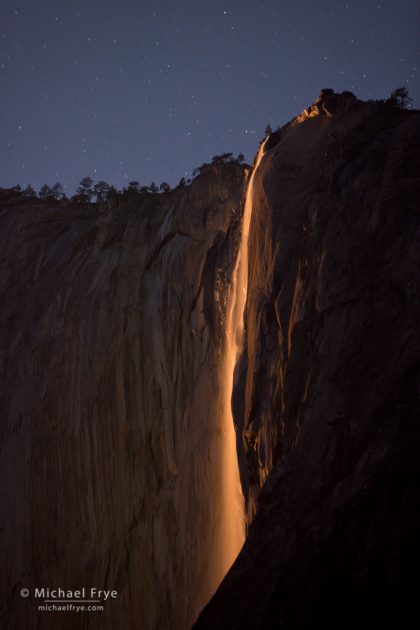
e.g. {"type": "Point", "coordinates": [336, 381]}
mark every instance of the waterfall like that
{"type": "Point", "coordinates": [232, 514]}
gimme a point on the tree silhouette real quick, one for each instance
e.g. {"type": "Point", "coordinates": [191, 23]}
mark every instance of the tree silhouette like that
{"type": "Point", "coordinates": [182, 182]}
{"type": "Point", "coordinates": [153, 188]}
{"type": "Point", "coordinates": [112, 193]}
{"type": "Point", "coordinates": [200, 169]}
{"type": "Point", "coordinates": [85, 189]}
{"type": "Point", "coordinates": [29, 191]}
{"type": "Point", "coordinates": [57, 191]}
{"type": "Point", "coordinates": [133, 187]}
{"type": "Point", "coordinates": [164, 187]}
{"type": "Point", "coordinates": [45, 192]}
{"type": "Point", "coordinates": [101, 190]}
{"type": "Point", "coordinates": [400, 98]}
{"type": "Point", "coordinates": [240, 158]}
{"type": "Point", "coordinates": [223, 158]}
{"type": "Point", "coordinates": [268, 130]}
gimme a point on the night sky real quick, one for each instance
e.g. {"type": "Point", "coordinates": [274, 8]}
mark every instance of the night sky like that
{"type": "Point", "coordinates": [143, 90]}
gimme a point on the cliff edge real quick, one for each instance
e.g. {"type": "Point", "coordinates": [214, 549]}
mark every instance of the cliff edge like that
{"type": "Point", "coordinates": [328, 399]}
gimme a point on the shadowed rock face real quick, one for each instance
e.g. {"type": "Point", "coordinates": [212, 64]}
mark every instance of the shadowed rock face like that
{"type": "Point", "coordinates": [112, 323]}
{"type": "Point", "coordinates": [111, 326]}
{"type": "Point", "coordinates": [330, 399]}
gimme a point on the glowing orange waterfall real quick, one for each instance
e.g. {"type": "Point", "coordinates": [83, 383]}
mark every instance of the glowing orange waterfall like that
{"type": "Point", "coordinates": [232, 517]}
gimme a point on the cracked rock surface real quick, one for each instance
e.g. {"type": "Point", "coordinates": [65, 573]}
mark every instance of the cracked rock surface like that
{"type": "Point", "coordinates": [330, 409]}
{"type": "Point", "coordinates": [109, 426]}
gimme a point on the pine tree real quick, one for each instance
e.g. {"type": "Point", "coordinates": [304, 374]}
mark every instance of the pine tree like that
{"type": "Point", "coordinates": [85, 189]}
{"type": "Point", "coordinates": [223, 158]}
{"type": "Point", "coordinates": [112, 193]}
{"type": "Point", "coordinates": [57, 191]}
{"type": "Point", "coordinates": [45, 192]}
{"type": "Point", "coordinates": [164, 187]}
{"type": "Point", "coordinates": [101, 190]}
{"type": "Point", "coordinates": [400, 98]}
{"type": "Point", "coordinates": [133, 187]}
{"type": "Point", "coordinates": [29, 191]}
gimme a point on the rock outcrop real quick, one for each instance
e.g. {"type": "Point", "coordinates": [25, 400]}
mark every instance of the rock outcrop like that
{"type": "Point", "coordinates": [111, 328]}
{"type": "Point", "coordinates": [111, 338]}
{"type": "Point", "coordinates": [331, 378]}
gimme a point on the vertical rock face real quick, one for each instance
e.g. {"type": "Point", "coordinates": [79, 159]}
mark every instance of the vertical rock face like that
{"type": "Point", "coordinates": [330, 401]}
{"type": "Point", "coordinates": [111, 326]}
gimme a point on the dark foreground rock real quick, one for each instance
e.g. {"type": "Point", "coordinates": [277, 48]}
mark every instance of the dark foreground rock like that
{"type": "Point", "coordinates": [331, 413]}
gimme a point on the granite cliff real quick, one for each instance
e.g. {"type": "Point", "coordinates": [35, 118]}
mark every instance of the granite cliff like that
{"type": "Point", "coordinates": [328, 397]}
{"type": "Point", "coordinates": [113, 325]}
{"type": "Point", "coordinates": [110, 433]}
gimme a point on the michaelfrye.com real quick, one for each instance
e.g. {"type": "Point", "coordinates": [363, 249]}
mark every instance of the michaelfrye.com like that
{"type": "Point", "coordinates": [78, 600]}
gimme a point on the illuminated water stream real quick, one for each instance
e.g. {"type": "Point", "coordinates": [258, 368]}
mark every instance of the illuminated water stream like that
{"type": "Point", "coordinates": [232, 521]}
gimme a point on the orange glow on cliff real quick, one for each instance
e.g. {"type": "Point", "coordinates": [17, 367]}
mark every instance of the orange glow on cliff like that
{"type": "Point", "coordinates": [232, 517]}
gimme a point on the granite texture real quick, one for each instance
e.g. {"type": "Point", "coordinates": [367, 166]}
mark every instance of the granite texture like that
{"type": "Point", "coordinates": [329, 394]}
{"type": "Point", "coordinates": [111, 334]}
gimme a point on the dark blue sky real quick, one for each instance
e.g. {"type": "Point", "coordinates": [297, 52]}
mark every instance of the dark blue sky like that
{"type": "Point", "coordinates": [148, 90]}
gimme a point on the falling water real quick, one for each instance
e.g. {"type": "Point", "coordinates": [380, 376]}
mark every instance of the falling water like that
{"type": "Point", "coordinates": [232, 523]}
